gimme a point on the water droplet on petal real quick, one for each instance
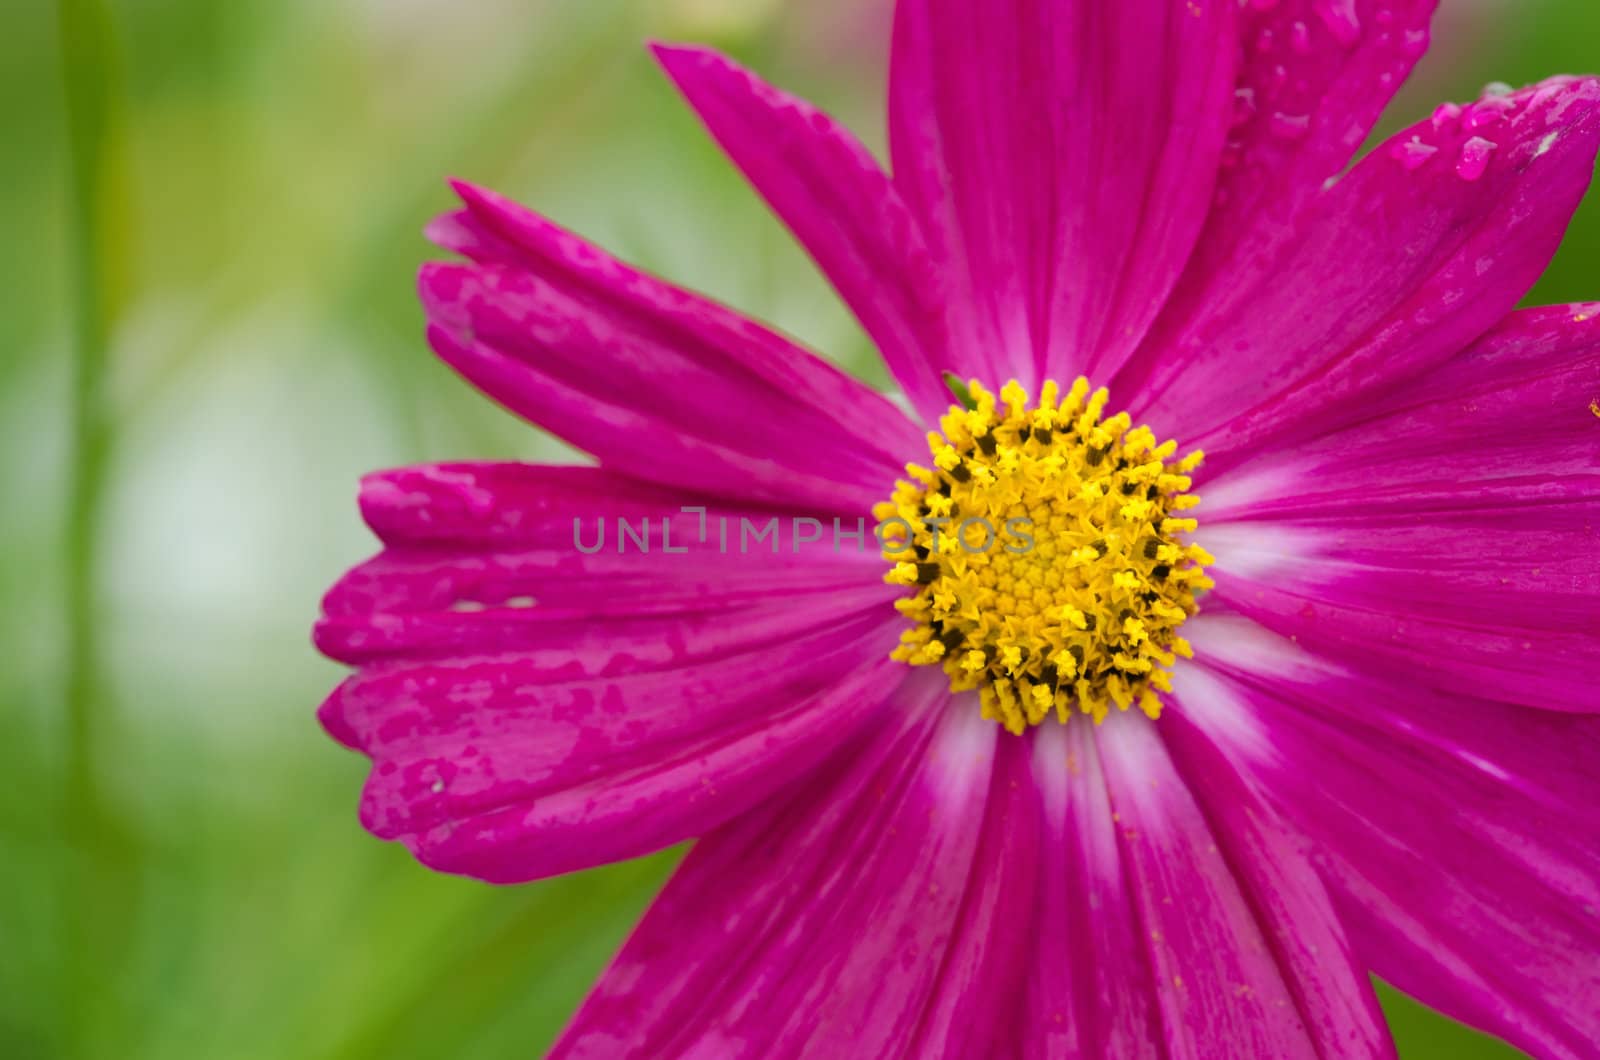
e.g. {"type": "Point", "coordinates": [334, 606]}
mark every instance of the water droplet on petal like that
{"type": "Point", "coordinates": [1290, 126]}
{"type": "Point", "coordinates": [1341, 19]}
{"type": "Point", "coordinates": [1474, 160]}
{"type": "Point", "coordinates": [1497, 88]}
{"type": "Point", "coordinates": [1415, 42]}
{"type": "Point", "coordinates": [1300, 38]}
{"type": "Point", "coordinates": [1487, 111]}
{"type": "Point", "coordinates": [1413, 153]}
{"type": "Point", "coordinates": [1545, 95]}
{"type": "Point", "coordinates": [1244, 105]}
{"type": "Point", "coordinates": [1232, 154]}
{"type": "Point", "coordinates": [1446, 116]}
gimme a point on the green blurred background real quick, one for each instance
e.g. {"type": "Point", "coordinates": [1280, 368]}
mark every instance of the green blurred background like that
{"type": "Point", "coordinates": [212, 215]}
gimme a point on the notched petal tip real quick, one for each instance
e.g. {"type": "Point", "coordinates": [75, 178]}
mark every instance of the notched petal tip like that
{"type": "Point", "coordinates": [492, 212]}
{"type": "Point", "coordinates": [460, 231]}
{"type": "Point", "coordinates": [671, 55]}
{"type": "Point", "coordinates": [450, 231]}
{"type": "Point", "coordinates": [443, 288]}
{"type": "Point", "coordinates": [467, 191]}
{"type": "Point", "coordinates": [331, 713]}
{"type": "Point", "coordinates": [703, 76]}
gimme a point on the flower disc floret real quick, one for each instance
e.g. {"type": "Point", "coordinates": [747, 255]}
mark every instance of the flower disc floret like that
{"type": "Point", "coordinates": [1045, 550]}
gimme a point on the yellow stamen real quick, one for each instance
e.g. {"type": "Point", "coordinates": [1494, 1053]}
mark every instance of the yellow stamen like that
{"type": "Point", "coordinates": [1049, 571]}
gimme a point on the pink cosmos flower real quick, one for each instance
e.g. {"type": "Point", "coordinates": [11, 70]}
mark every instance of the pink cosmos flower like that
{"type": "Point", "coordinates": [1066, 828]}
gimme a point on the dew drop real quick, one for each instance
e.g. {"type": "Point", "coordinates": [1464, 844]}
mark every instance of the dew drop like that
{"type": "Point", "coordinates": [1497, 88]}
{"type": "Point", "coordinates": [1474, 160]}
{"type": "Point", "coordinates": [1341, 19]}
{"type": "Point", "coordinates": [1445, 116]}
{"type": "Point", "coordinates": [1413, 153]}
{"type": "Point", "coordinates": [1300, 38]}
{"type": "Point", "coordinates": [1545, 95]}
{"type": "Point", "coordinates": [1244, 105]}
{"type": "Point", "coordinates": [1415, 42]}
{"type": "Point", "coordinates": [1290, 126]}
{"type": "Point", "coordinates": [1487, 111]}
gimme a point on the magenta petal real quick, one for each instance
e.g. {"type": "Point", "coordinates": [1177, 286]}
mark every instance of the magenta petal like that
{"type": "Point", "coordinates": [985, 966]}
{"type": "Point", "coordinates": [488, 766]}
{"type": "Point", "coordinates": [1062, 156]}
{"type": "Point", "coordinates": [653, 380]}
{"type": "Point", "coordinates": [477, 544]}
{"type": "Point", "coordinates": [1315, 78]}
{"type": "Point", "coordinates": [1089, 987]}
{"type": "Point", "coordinates": [1455, 832]}
{"type": "Point", "coordinates": [1507, 423]}
{"type": "Point", "coordinates": [868, 914]}
{"type": "Point", "coordinates": [1451, 537]}
{"type": "Point", "coordinates": [531, 708]}
{"type": "Point", "coordinates": [839, 203]}
{"type": "Point", "coordinates": [1221, 903]}
{"type": "Point", "coordinates": [1391, 272]}
{"type": "Point", "coordinates": [1329, 984]}
{"type": "Point", "coordinates": [1500, 605]}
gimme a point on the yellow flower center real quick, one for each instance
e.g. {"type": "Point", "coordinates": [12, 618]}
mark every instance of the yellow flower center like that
{"type": "Point", "coordinates": [1046, 555]}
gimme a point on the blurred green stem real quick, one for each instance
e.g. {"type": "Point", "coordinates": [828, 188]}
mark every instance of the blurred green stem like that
{"type": "Point", "coordinates": [86, 64]}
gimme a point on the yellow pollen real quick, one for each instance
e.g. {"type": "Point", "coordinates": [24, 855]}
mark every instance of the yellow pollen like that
{"type": "Point", "coordinates": [1046, 560]}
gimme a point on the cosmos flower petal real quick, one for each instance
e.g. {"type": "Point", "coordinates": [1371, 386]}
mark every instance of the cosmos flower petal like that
{"type": "Point", "coordinates": [841, 206]}
{"type": "Point", "coordinates": [859, 916]}
{"type": "Point", "coordinates": [1315, 78]}
{"type": "Point", "coordinates": [653, 380]}
{"type": "Point", "coordinates": [1298, 918]}
{"type": "Point", "coordinates": [495, 767]}
{"type": "Point", "coordinates": [478, 545]}
{"type": "Point", "coordinates": [1453, 533]}
{"type": "Point", "coordinates": [1232, 913]}
{"type": "Point", "coordinates": [531, 708]}
{"type": "Point", "coordinates": [1512, 420]}
{"type": "Point", "coordinates": [1498, 604]}
{"type": "Point", "coordinates": [1451, 829]}
{"type": "Point", "coordinates": [1394, 270]}
{"type": "Point", "coordinates": [1062, 156]}
{"type": "Point", "coordinates": [986, 961]}
{"type": "Point", "coordinates": [1089, 987]}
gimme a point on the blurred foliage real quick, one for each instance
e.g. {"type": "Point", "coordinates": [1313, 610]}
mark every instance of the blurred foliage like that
{"type": "Point", "coordinates": [252, 222]}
